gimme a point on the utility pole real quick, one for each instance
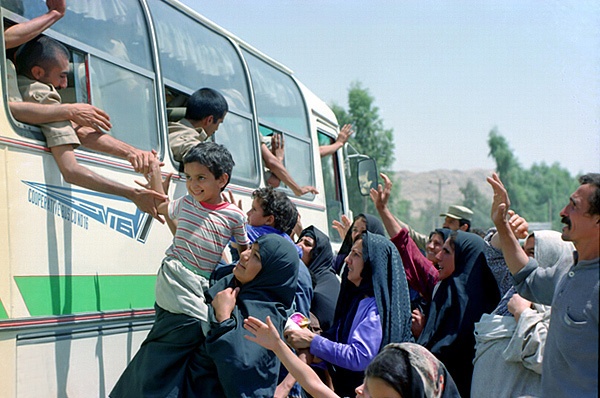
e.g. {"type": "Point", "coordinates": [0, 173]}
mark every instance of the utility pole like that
{"type": "Point", "coordinates": [439, 183]}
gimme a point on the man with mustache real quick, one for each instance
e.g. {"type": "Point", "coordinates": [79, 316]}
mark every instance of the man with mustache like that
{"type": "Point", "coordinates": [570, 365]}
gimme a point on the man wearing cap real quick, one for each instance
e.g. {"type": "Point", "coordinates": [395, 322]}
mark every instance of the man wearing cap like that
{"type": "Point", "coordinates": [457, 218]}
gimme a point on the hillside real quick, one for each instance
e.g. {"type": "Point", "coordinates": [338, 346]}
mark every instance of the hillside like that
{"type": "Point", "coordinates": [420, 187]}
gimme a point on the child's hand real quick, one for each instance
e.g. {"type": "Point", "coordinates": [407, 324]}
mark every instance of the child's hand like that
{"type": "Point", "coordinates": [165, 183]}
{"type": "Point", "coordinates": [231, 199]}
{"type": "Point", "coordinates": [263, 334]}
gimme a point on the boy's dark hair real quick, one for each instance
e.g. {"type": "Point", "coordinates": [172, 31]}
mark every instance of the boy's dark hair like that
{"type": "Point", "coordinates": [277, 204]}
{"type": "Point", "coordinates": [206, 102]}
{"type": "Point", "coordinates": [464, 221]}
{"type": "Point", "coordinates": [594, 180]}
{"type": "Point", "coordinates": [215, 157]}
{"type": "Point", "coordinates": [41, 51]}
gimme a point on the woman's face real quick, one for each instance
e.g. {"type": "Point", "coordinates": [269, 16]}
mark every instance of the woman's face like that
{"type": "Point", "coordinates": [433, 247]}
{"type": "Point", "coordinates": [355, 263]}
{"type": "Point", "coordinates": [374, 387]}
{"type": "Point", "coordinates": [306, 243]}
{"type": "Point", "coordinates": [445, 260]}
{"type": "Point", "coordinates": [529, 247]}
{"type": "Point", "coordinates": [249, 265]}
{"type": "Point", "coordinates": [359, 226]}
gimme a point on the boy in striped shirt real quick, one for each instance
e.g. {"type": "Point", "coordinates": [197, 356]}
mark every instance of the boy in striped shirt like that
{"type": "Point", "coordinates": [204, 224]}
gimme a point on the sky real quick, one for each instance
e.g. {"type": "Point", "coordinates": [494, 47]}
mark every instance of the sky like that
{"type": "Point", "coordinates": [445, 73]}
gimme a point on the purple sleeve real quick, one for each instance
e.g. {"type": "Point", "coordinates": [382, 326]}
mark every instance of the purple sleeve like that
{"type": "Point", "coordinates": [363, 342]}
{"type": "Point", "coordinates": [421, 274]}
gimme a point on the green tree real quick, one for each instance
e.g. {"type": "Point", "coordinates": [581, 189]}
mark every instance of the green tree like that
{"type": "Point", "coordinates": [538, 193]}
{"type": "Point", "coordinates": [474, 200]}
{"type": "Point", "coordinates": [370, 138]}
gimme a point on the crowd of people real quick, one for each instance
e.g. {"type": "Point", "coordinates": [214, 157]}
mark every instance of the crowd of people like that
{"type": "Point", "coordinates": [447, 314]}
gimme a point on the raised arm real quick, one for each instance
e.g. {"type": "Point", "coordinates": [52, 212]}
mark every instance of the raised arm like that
{"type": "Point", "coordinates": [21, 33]}
{"type": "Point", "coordinates": [278, 168]}
{"type": "Point", "coordinates": [515, 257]}
{"type": "Point", "coordinates": [266, 335]}
{"type": "Point", "coordinates": [341, 139]}
{"type": "Point", "coordinates": [380, 198]}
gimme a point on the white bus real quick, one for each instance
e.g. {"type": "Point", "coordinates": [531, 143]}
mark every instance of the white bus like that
{"type": "Point", "coordinates": [77, 267]}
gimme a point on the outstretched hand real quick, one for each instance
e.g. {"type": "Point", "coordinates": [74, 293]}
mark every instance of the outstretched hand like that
{"type": "Point", "coordinates": [500, 203]}
{"type": "Point", "coordinates": [165, 184]}
{"type": "Point", "coordinates": [342, 226]}
{"type": "Point", "coordinates": [89, 116]}
{"type": "Point", "coordinates": [306, 189]}
{"type": "Point", "coordinates": [278, 146]}
{"type": "Point", "coordinates": [345, 134]}
{"type": "Point", "coordinates": [143, 161]}
{"type": "Point", "coordinates": [381, 196]}
{"type": "Point", "coordinates": [231, 199]}
{"type": "Point", "coordinates": [148, 200]}
{"type": "Point", "coordinates": [263, 334]}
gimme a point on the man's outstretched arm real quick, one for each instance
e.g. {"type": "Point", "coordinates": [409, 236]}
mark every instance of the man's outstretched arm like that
{"type": "Point", "coordinates": [281, 172]}
{"type": "Point", "coordinates": [21, 33]}
{"type": "Point", "coordinates": [76, 174]}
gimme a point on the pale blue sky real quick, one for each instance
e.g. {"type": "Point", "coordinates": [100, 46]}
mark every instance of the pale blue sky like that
{"type": "Point", "coordinates": [444, 73]}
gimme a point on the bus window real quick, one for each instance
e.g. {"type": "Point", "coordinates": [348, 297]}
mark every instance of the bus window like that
{"type": "Point", "coordinates": [280, 108]}
{"type": "Point", "coordinates": [331, 179]}
{"type": "Point", "coordinates": [109, 59]}
{"type": "Point", "coordinates": [193, 56]}
{"type": "Point", "coordinates": [120, 92]}
{"type": "Point", "coordinates": [235, 133]}
{"type": "Point", "coordinates": [118, 26]}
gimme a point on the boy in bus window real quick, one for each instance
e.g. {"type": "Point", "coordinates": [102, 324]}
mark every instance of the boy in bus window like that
{"type": "Point", "coordinates": [205, 223]}
{"type": "Point", "coordinates": [205, 111]}
{"type": "Point", "coordinates": [42, 67]}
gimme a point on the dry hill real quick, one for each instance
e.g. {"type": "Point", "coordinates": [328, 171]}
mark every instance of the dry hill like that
{"type": "Point", "coordinates": [420, 187]}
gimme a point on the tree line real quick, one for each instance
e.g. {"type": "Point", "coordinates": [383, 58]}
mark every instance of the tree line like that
{"type": "Point", "coordinates": [538, 193]}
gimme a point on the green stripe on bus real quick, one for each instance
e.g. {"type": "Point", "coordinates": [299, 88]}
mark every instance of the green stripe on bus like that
{"type": "Point", "coordinates": [64, 295]}
{"type": "Point", "coordinates": [3, 314]}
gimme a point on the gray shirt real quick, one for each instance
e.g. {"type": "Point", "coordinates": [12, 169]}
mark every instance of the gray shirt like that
{"type": "Point", "coordinates": [570, 366]}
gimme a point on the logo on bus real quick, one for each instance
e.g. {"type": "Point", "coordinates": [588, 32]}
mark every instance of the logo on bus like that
{"type": "Point", "coordinates": [78, 206]}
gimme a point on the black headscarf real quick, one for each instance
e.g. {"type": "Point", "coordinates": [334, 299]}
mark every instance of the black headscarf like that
{"type": "Point", "coordinates": [383, 277]}
{"type": "Point", "coordinates": [228, 364]}
{"type": "Point", "coordinates": [374, 225]}
{"type": "Point", "coordinates": [458, 303]}
{"type": "Point", "coordinates": [327, 285]}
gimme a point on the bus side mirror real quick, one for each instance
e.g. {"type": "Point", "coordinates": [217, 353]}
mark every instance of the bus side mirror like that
{"type": "Point", "coordinates": [367, 175]}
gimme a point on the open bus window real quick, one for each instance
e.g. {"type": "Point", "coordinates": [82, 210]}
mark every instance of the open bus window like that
{"type": "Point", "coordinates": [129, 98]}
{"type": "Point", "coordinates": [235, 133]}
{"type": "Point", "coordinates": [115, 27]}
{"type": "Point", "coordinates": [297, 157]}
{"type": "Point", "coordinates": [280, 107]}
{"type": "Point", "coordinates": [333, 190]}
{"type": "Point", "coordinates": [111, 64]}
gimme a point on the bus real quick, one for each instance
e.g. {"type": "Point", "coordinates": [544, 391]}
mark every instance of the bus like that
{"type": "Point", "coordinates": [78, 267]}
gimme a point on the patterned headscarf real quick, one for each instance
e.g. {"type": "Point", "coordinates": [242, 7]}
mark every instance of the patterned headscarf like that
{"type": "Point", "coordinates": [412, 371]}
